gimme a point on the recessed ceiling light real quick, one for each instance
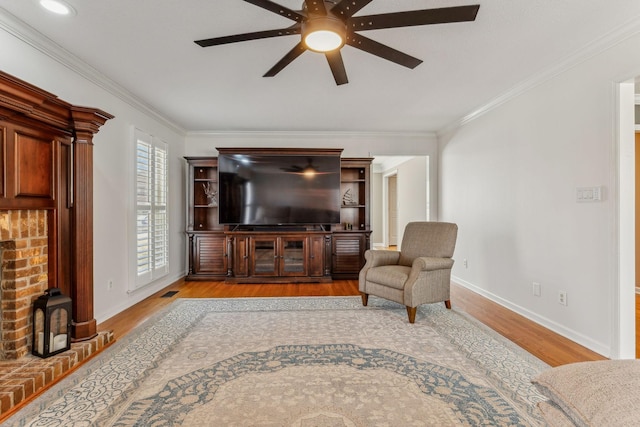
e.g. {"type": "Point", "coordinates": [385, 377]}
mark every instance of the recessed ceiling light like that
{"type": "Point", "coordinates": [58, 6]}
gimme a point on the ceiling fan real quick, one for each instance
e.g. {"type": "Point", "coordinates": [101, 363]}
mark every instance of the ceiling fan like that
{"type": "Point", "coordinates": [326, 26]}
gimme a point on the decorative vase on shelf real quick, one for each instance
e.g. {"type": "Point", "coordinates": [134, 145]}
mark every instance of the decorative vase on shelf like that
{"type": "Point", "coordinates": [212, 200]}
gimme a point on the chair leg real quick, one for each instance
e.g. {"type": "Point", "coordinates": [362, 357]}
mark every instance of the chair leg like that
{"type": "Point", "coordinates": [365, 298]}
{"type": "Point", "coordinates": [447, 304]}
{"type": "Point", "coordinates": [411, 311]}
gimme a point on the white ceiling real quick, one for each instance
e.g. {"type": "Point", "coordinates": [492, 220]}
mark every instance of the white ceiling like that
{"type": "Point", "coordinates": [146, 46]}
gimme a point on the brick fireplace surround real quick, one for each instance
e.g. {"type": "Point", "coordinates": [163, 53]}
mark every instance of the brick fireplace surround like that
{"type": "Point", "coordinates": [23, 277]}
{"type": "Point", "coordinates": [23, 245]}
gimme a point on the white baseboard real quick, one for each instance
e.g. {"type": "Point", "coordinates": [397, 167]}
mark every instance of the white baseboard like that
{"type": "Point", "coordinates": [543, 321]}
{"type": "Point", "coordinates": [134, 297]}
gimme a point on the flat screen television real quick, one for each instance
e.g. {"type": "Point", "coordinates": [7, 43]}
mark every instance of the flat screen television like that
{"type": "Point", "coordinates": [266, 189]}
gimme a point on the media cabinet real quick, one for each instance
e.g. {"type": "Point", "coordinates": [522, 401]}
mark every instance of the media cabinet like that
{"type": "Point", "coordinates": [276, 254]}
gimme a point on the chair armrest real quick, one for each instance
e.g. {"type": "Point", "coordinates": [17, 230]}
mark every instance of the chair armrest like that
{"type": "Point", "coordinates": [381, 257]}
{"type": "Point", "coordinates": [428, 281]}
{"type": "Point", "coordinates": [429, 263]}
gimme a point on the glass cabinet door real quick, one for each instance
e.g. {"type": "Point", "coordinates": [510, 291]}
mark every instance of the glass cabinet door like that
{"type": "Point", "coordinates": [265, 258]}
{"type": "Point", "coordinates": [292, 256]}
{"type": "Point", "coordinates": [278, 256]}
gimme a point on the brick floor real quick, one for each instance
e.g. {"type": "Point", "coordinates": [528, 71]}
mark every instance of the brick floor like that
{"type": "Point", "coordinates": [23, 379]}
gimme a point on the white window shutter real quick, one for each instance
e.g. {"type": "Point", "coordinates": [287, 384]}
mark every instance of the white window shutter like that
{"type": "Point", "coordinates": [152, 242]}
{"type": "Point", "coordinates": [160, 223]}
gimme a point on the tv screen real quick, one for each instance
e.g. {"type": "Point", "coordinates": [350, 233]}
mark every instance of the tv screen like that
{"type": "Point", "coordinates": [265, 189]}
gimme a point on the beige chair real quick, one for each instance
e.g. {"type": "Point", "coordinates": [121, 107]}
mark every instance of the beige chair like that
{"type": "Point", "coordinates": [418, 274]}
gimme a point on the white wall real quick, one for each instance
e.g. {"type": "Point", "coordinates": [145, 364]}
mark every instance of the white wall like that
{"type": "Point", "coordinates": [412, 193]}
{"type": "Point", "coordinates": [509, 177]}
{"type": "Point", "coordinates": [113, 172]}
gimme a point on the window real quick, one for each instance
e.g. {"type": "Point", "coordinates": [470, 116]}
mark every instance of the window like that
{"type": "Point", "coordinates": [152, 243]}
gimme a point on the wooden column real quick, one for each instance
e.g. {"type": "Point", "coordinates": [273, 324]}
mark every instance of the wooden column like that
{"type": "Point", "coordinates": [86, 123]}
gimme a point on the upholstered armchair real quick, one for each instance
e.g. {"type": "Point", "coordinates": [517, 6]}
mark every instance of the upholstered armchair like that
{"type": "Point", "coordinates": [420, 273]}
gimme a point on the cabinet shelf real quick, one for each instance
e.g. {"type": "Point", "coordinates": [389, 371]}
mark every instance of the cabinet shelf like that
{"type": "Point", "coordinates": [203, 177]}
{"type": "Point", "coordinates": [207, 246]}
{"type": "Point", "coordinates": [354, 187]}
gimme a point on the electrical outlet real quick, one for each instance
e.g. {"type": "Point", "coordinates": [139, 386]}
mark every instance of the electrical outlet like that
{"type": "Point", "coordinates": [465, 263]}
{"type": "Point", "coordinates": [536, 289]}
{"type": "Point", "coordinates": [110, 284]}
{"type": "Point", "coordinates": [562, 297]}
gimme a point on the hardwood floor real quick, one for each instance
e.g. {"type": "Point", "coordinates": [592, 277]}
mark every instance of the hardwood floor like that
{"type": "Point", "coordinates": [541, 342]}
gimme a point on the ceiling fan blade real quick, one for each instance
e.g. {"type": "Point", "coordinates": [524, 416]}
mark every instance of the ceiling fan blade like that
{"type": "Point", "coordinates": [276, 8]}
{"type": "Point", "coordinates": [378, 49]}
{"type": "Point", "coordinates": [316, 7]}
{"type": "Point", "coordinates": [415, 17]}
{"type": "Point", "coordinates": [337, 67]}
{"type": "Point", "coordinates": [347, 8]}
{"type": "Point", "coordinates": [286, 60]}
{"type": "Point", "coordinates": [295, 29]}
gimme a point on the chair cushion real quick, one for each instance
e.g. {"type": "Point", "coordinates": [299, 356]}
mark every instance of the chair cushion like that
{"type": "Point", "coordinates": [427, 239]}
{"type": "Point", "coordinates": [602, 393]}
{"type": "Point", "coordinates": [393, 276]}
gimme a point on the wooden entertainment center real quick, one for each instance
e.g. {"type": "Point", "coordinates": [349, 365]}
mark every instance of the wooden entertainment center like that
{"type": "Point", "coordinates": [277, 254]}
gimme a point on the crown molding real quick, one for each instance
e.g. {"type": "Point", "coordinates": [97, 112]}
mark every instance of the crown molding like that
{"type": "Point", "coordinates": [310, 134]}
{"type": "Point", "coordinates": [599, 45]}
{"type": "Point", "coordinates": [30, 36]}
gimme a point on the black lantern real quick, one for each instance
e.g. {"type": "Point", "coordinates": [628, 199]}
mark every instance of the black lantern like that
{"type": "Point", "coordinates": [51, 324]}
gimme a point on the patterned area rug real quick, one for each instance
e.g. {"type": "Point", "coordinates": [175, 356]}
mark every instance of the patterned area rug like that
{"type": "Point", "coordinates": [326, 362]}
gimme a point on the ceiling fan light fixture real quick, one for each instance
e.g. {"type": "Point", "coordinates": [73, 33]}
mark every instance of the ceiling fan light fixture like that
{"type": "Point", "coordinates": [323, 41]}
{"type": "Point", "coordinates": [324, 34]}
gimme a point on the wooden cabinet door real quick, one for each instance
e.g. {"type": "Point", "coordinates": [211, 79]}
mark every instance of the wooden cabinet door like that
{"type": "Point", "coordinates": [240, 256]}
{"type": "Point", "coordinates": [347, 253]}
{"type": "Point", "coordinates": [210, 254]}
{"type": "Point", "coordinates": [316, 256]}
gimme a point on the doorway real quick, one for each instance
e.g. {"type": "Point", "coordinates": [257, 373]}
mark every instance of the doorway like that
{"type": "Point", "coordinates": [401, 192]}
